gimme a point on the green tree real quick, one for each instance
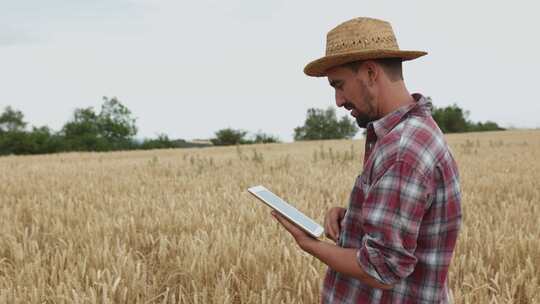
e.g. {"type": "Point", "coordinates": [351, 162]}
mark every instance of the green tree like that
{"type": "Point", "coordinates": [263, 138]}
{"type": "Point", "coordinates": [12, 120]}
{"type": "Point", "coordinates": [228, 136]}
{"type": "Point", "coordinates": [323, 124]}
{"type": "Point", "coordinates": [82, 133]}
{"type": "Point", "coordinates": [112, 129]}
{"type": "Point", "coordinates": [161, 142]}
{"type": "Point", "coordinates": [453, 119]}
{"type": "Point", "coordinates": [13, 142]}
{"type": "Point", "coordinates": [43, 140]}
{"type": "Point", "coordinates": [13, 139]}
{"type": "Point", "coordinates": [115, 123]}
{"type": "Point", "coordinates": [485, 126]}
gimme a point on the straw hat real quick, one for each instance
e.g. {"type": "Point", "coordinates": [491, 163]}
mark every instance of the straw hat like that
{"type": "Point", "coordinates": [359, 39]}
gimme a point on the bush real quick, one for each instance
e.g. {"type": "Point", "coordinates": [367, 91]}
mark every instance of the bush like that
{"type": "Point", "coordinates": [323, 124]}
{"type": "Point", "coordinates": [262, 138]}
{"type": "Point", "coordinates": [225, 137]}
{"type": "Point", "coordinates": [453, 119]}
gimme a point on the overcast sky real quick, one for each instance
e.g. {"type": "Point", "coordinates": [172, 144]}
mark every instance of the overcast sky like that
{"type": "Point", "coordinates": [190, 68]}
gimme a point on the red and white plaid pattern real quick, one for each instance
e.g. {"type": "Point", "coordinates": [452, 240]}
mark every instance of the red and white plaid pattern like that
{"type": "Point", "coordinates": [404, 213]}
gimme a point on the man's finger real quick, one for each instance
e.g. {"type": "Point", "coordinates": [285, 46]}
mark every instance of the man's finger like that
{"type": "Point", "coordinates": [329, 235]}
{"type": "Point", "coordinates": [326, 229]}
{"type": "Point", "coordinates": [283, 221]}
{"type": "Point", "coordinates": [329, 232]}
{"type": "Point", "coordinates": [335, 229]}
{"type": "Point", "coordinates": [328, 226]}
{"type": "Point", "coordinates": [333, 237]}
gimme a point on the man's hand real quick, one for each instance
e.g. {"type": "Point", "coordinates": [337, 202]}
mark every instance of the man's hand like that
{"type": "Point", "coordinates": [301, 237]}
{"type": "Point", "coordinates": [342, 260]}
{"type": "Point", "coordinates": [332, 222]}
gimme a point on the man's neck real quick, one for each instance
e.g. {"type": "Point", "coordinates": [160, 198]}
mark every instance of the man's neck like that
{"type": "Point", "coordinates": [393, 97]}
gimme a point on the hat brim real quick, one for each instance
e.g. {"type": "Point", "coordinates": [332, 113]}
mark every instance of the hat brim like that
{"type": "Point", "coordinates": [318, 68]}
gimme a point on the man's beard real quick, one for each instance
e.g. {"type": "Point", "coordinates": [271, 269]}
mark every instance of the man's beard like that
{"type": "Point", "coordinates": [363, 119]}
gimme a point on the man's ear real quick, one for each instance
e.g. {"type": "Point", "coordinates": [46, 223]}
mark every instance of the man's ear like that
{"type": "Point", "coordinates": [372, 71]}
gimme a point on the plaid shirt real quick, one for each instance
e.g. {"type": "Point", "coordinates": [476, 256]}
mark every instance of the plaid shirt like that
{"type": "Point", "coordinates": [404, 213]}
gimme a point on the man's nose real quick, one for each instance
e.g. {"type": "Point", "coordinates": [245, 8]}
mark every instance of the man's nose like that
{"type": "Point", "coordinates": [340, 100]}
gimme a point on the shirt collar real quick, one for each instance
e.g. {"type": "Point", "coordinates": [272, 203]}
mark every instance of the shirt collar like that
{"type": "Point", "coordinates": [383, 125]}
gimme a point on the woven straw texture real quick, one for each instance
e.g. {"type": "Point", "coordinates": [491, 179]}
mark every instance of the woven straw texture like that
{"type": "Point", "coordinates": [359, 39]}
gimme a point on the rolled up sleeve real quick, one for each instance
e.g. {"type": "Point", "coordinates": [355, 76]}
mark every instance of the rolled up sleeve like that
{"type": "Point", "coordinates": [392, 211]}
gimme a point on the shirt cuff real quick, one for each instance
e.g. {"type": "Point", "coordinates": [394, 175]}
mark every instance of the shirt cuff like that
{"type": "Point", "coordinates": [373, 263]}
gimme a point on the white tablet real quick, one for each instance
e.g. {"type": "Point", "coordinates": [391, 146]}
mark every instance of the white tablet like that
{"type": "Point", "coordinates": [288, 211]}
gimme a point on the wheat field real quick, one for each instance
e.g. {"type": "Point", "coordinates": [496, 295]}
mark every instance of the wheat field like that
{"type": "Point", "coordinates": [177, 226]}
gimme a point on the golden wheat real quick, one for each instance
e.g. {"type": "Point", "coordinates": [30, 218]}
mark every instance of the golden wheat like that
{"type": "Point", "coordinates": [177, 226]}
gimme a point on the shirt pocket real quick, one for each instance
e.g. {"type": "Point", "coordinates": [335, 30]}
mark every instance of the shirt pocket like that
{"type": "Point", "coordinates": [362, 186]}
{"type": "Point", "coordinates": [365, 185]}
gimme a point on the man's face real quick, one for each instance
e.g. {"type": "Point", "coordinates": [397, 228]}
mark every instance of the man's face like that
{"type": "Point", "coordinates": [353, 93]}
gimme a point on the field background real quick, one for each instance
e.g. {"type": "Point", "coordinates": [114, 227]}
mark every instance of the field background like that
{"type": "Point", "coordinates": [177, 226]}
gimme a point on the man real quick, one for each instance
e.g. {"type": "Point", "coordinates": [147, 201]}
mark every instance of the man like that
{"type": "Point", "coordinates": [395, 240]}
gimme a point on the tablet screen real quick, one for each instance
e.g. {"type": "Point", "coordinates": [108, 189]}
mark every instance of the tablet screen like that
{"type": "Point", "coordinates": [284, 207]}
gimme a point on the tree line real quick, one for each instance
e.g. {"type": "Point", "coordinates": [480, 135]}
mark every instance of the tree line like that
{"type": "Point", "coordinates": [323, 124]}
{"type": "Point", "coordinates": [114, 128]}
{"type": "Point", "coordinates": [453, 119]}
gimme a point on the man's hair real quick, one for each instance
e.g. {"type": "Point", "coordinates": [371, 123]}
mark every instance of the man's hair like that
{"type": "Point", "coordinates": [391, 66]}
